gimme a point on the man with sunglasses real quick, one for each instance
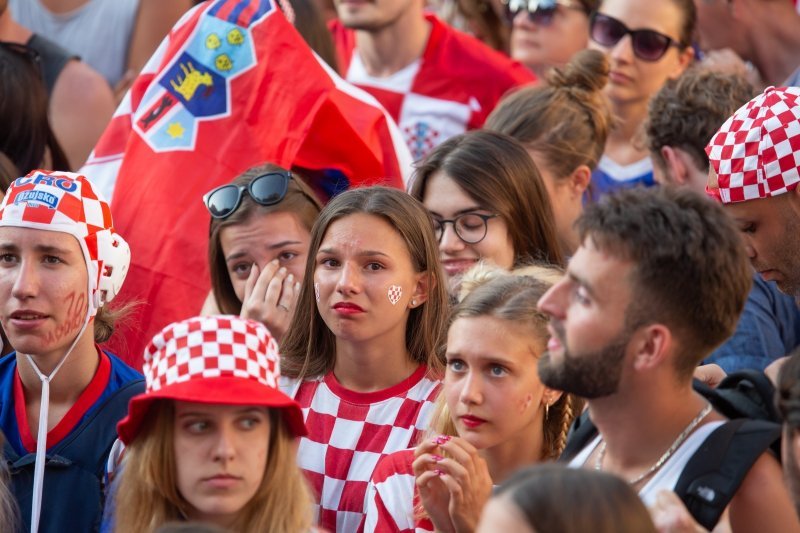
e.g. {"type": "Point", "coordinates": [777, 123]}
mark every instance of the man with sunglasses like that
{"type": "Point", "coordinates": [764, 32]}
{"type": "Point", "coordinates": [81, 102]}
{"type": "Point", "coordinates": [435, 81]}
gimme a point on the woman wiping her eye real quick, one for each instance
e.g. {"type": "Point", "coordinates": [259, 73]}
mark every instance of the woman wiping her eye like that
{"type": "Point", "coordinates": [258, 244]}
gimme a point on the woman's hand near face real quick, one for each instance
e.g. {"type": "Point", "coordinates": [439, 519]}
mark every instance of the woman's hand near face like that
{"type": "Point", "coordinates": [270, 296]}
{"type": "Point", "coordinates": [453, 483]}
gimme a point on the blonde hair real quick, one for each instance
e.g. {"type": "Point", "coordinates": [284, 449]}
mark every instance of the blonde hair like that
{"type": "Point", "coordinates": [147, 496]}
{"type": "Point", "coordinates": [8, 505]}
{"type": "Point", "coordinates": [512, 296]}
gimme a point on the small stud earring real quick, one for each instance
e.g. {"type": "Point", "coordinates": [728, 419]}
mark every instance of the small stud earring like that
{"type": "Point", "coordinates": [413, 303]}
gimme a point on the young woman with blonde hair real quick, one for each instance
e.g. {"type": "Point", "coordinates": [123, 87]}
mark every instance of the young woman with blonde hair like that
{"type": "Point", "coordinates": [212, 438]}
{"type": "Point", "coordinates": [361, 350]}
{"type": "Point", "coordinates": [492, 417]}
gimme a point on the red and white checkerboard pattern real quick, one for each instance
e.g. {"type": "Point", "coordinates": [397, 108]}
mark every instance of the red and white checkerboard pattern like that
{"type": "Point", "coordinates": [452, 88]}
{"type": "Point", "coordinates": [349, 432]}
{"type": "Point", "coordinates": [756, 153]}
{"type": "Point", "coordinates": [211, 347]}
{"type": "Point", "coordinates": [392, 497]}
{"type": "Point", "coordinates": [67, 202]}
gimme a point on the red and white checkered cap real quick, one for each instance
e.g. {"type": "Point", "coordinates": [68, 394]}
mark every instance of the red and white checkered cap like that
{"type": "Point", "coordinates": [67, 202]}
{"type": "Point", "coordinates": [217, 359]}
{"type": "Point", "coordinates": [756, 153]}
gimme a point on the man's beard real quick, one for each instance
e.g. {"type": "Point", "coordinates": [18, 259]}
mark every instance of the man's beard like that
{"type": "Point", "coordinates": [588, 375]}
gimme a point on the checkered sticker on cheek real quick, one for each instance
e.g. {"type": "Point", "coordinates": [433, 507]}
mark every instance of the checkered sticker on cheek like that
{"type": "Point", "coordinates": [395, 292]}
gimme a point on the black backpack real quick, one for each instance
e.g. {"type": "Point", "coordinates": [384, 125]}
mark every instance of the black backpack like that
{"type": "Point", "coordinates": [716, 470]}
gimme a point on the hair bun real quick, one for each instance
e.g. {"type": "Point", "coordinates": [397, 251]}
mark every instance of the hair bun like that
{"type": "Point", "coordinates": [587, 70]}
{"type": "Point", "coordinates": [478, 275]}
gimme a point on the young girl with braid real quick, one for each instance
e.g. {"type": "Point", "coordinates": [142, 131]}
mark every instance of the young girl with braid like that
{"type": "Point", "coordinates": [493, 415]}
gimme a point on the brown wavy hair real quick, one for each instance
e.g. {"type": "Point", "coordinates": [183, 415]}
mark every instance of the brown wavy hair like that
{"type": "Point", "coordinates": [308, 349]}
{"type": "Point", "coordinates": [566, 121]}
{"type": "Point", "coordinates": [689, 110]}
{"type": "Point", "coordinates": [147, 494]}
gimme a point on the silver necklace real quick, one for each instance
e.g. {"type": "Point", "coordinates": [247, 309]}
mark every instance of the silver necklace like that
{"type": "Point", "coordinates": [598, 465]}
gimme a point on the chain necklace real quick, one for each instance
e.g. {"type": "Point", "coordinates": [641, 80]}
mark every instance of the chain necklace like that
{"type": "Point", "coordinates": [598, 465]}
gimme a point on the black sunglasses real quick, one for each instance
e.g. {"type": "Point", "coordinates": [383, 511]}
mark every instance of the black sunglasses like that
{"type": "Point", "coordinates": [266, 189]}
{"type": "Point", "coordinates": [648, 45]}
{"type": "Point", "coordinates": [540, 12]}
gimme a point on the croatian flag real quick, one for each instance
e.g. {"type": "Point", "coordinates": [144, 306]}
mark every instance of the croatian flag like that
{"type": "Point", "coordinates": [233, 85]}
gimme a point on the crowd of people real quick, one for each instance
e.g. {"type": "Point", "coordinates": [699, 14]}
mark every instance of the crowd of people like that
{"type": "Point", "coordinates": [581, 314]}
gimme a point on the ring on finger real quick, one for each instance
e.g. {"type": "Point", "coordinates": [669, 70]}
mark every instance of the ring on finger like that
{"type": "Point", "coordinates": [284, 307]}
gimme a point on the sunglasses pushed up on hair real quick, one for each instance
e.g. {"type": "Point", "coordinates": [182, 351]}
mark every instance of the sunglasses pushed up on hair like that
{"type": "Point", "coordinates": [266, 189]}
{"type": "Point", "coordinates": [540, 12]}
{"type": "Point", "coordinates": [648, 45]}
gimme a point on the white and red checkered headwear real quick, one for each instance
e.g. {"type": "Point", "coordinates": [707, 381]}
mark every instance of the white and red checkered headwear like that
{"type": "Point", "coordinates": [756, 153]}
{"type": "Point", "coordinates": [67, 202]}
{"type": "Point", "coordinates": [217, 360]}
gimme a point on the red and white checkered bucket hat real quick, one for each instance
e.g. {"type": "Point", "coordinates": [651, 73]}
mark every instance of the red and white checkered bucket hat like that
{"type": "Point", "coordinates": [67, 202]}
{"type": "Point", "coordinates": [218, 360]}
{"type": "Point", "coordinates": [756, 153]}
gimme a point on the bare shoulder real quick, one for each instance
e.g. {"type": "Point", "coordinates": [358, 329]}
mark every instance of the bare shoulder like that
{"type": "Point", "coordinates": [762, 503]}
{"type": "Point", "coordinates": [78, 81]}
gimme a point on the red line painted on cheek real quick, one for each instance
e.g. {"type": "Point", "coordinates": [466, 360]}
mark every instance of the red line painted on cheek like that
{"type": "Point", "coordinates": [76, 311]}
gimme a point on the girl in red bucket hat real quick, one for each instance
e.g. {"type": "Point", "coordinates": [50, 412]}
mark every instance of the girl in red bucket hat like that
{"type": "Point", "coordinates": [212, 438]}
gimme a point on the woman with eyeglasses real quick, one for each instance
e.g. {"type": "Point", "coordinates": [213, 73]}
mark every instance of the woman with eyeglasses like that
{"type": "Point", "coordinates": [564, 126]}
{"type": "Point", "coordinates": [361, 352]}
{"type": "Point", "coordinates": [260, 229]}
{"type": "Point", "coordinates": [488, 203]}
{"type": "Point", "coordinates": [646, 43]}
{"type": "Point", "coordinates": [547, 33]}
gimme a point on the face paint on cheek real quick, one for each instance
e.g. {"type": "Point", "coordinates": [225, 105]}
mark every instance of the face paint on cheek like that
{"type": "Point", "coordinates": [316, 291]}
{"type": "Point", "coordinates": [76, 312]}
{"type": "Point", "coordinates": [394, 294]}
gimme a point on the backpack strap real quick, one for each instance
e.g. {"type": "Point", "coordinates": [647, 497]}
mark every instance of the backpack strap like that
{"type": "Point", "coordinates": [716, 470]}
{"type": "Point", "coordinates": [580, 435]}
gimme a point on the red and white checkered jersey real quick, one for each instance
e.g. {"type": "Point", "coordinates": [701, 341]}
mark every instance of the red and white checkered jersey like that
{"type": "Point", "coordinates": [392, 497]}
{"type": "Point", "coordinates": [452, 88]}
{"type": "Point", "coordinates": [348, 432]}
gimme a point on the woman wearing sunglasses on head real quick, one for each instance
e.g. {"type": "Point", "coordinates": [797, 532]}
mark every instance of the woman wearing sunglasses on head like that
{"type": "Point", "coordinates": [646, 44]}
{"type": "Point", "coordinates": [547, 33]}
{"type": "Point", "coordinates": [492, 416]}
{"type": "Point", "coordinates": [260, 227]}
{"type": "Point", "coordinates": [361, 349]}
{"type": "Point", "coordinates": [488, 203]}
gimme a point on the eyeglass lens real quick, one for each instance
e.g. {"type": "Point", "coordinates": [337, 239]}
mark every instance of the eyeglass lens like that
{"type": "Point", "coordinates": [469, 227]}
{"type": "Point", "coordinates": [540, 13]}
{"type": "Point", "coordinates": [223, 201]}
{"type": "Point", "coordinates": [269, 189]}
{"type": "Point", "coordinates": [648, 45]}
